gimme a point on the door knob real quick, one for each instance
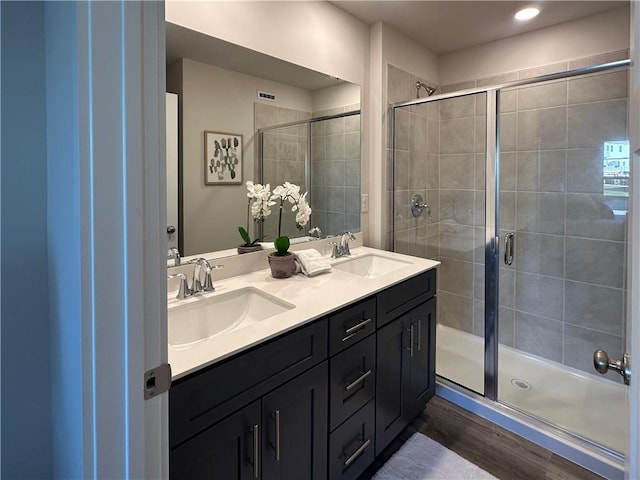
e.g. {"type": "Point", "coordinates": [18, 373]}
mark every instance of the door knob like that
{"type": "Point", "coordinates": [602, 363]}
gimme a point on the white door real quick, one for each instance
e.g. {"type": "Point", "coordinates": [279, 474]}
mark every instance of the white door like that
{"type": "Point", "coordinates": [172, 169]}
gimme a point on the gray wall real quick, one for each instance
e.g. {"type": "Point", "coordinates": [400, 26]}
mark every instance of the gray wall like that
{"type": "Point", "coordinates": [26, 375]}
{"type": "Point", "coordinates": [284, 152]}
{"type": "Point", "coordinates": [335, 172]}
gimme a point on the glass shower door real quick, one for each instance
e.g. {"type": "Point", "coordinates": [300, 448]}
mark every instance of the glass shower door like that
{"type": "Point", "coordinates": [563, 188]}
{"type": "Point", "coordinates": [439, 161]}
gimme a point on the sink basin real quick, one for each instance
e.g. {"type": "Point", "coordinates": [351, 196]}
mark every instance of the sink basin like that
{"type": "Point", "coordinates": [370, 265]}
{"type": "Point", "coordinates": [197, 321]}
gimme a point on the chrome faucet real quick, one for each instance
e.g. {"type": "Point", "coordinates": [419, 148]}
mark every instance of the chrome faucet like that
{"type": "Point", "coordinates": [315, 232]}
{"type": "Point", "coordinates": [344, 243]}
{"type": "Point", "coordinates": [175, 254]}
{"type": "Point", "coordinates": [342, 249]}
{"type": "Point", "coordinates": [196, 284]}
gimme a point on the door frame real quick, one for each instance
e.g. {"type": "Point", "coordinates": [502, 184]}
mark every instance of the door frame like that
{"type": "Point", "coordinates": [117, 60]}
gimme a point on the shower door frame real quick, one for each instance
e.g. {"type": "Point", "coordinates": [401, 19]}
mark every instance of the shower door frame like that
{"type": "Point", "coordinates": [492, 235]}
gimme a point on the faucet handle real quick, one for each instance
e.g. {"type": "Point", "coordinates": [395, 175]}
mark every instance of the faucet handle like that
{"type": "Point", "coordinates": [184, 290]}
{"type": "Point", "coordinates": [335, 250]}
{"type": "Point", "coordinates": [208, 281]}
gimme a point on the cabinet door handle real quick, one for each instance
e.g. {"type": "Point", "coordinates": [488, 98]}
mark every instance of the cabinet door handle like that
{"type": "Point", "coordinates": [419, 324]}
{"type": "Point", "coordinates": [276, 419]}
{"type": "Point", "coordinates": [411, 334]}
{"type": "Point", "coordinates": [357, 453]}
{"type": "Point", "coordinates": [361, 378]}
{"type": "Point", "coordinates": [255, 431]}
{"type": "Point", "coordinates": [352, 331]}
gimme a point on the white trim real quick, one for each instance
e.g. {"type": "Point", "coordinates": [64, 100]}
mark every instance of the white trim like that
{"type": "Point", "coordinates": [121, 83]}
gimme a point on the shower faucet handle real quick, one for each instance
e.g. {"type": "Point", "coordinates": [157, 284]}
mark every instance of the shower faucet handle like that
{"type": "Point", "coordinates": [418, 205]}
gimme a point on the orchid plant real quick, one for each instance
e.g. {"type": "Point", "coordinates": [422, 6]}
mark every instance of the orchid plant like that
{"type": "Point", "coordinates": [291, 193]}
{"type": "Point", "coordinates": [259, 205]}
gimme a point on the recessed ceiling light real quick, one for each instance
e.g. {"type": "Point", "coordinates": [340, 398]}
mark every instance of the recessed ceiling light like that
{"type": "Point", "coordinates": [527, 13]}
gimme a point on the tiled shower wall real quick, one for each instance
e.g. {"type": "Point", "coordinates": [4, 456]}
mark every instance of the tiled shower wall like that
{"type": "Point", "coordinates": [284, 152]}
{"type": "Point", "coordinates": [564, 296]}
{"type": "Point", "coordinates": [335, 171]}
{"type": "Point", "coordinates": [334, 194]}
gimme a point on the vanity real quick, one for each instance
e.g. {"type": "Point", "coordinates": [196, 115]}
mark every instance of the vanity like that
{"type": "Point", "coordinates": [315, 377]}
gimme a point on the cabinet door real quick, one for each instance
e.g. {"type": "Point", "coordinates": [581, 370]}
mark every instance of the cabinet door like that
{"type": "Point", "coordinates": [295, 420]}
{"type": "Point", "coordinates": [422, 370]}
{"type": "Point", "coordinates": [225, 450]}
{"type": "Point", "coordinates": [392, 381]}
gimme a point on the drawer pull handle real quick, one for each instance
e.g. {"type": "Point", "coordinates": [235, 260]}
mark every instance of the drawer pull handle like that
{"type": "Point", "coordinates": [255, 431]}
{"type": "Point", "coordinates": [358, 380]}
{"type": "Point", "coordinates": [276, 418]}
{"type": "Point", "coordinates": [352, 331]}
{"type": "Point", "coordinates": [357, 453]}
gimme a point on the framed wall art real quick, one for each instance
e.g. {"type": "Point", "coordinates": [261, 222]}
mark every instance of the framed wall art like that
{"type": "Point", "coordinates": [222, 158]}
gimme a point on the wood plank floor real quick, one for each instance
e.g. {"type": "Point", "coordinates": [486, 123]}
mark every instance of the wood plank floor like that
{"type": "Point", "coordinates": [494, 449]}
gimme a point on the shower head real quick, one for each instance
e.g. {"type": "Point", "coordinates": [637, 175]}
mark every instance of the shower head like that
{"type": "Point", "coordinates": [430, 90]}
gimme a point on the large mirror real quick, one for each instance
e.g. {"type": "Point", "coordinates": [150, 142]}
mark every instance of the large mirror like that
{"type": "Point", "coordinates": [246, 116]}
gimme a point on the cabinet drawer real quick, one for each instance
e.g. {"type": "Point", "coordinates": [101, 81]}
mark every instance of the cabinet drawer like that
{"type": "Point", "coordinates": [201, 400]}
{"type": "Point", "coordinates": [353, 377]}
{"type": "Point", "coordinates": [351, 325]}
{"type": "Point", "coordinates": [351, 446]}
{"type": "Point", "coordinates": [401, 298]}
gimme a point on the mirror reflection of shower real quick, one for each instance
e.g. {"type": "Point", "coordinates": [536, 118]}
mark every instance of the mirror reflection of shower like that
{"type": "Point", "coordinates": [430, 90]}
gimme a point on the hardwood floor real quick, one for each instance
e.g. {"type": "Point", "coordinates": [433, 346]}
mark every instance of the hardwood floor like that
{"type": "Point", "coordinates": [499, 452]}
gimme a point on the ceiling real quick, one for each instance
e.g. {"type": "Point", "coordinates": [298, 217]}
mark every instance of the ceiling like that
{"type": "Point", "coordinates": [185, 43]}
{"type": "Point", "coordinates": [446, 26]}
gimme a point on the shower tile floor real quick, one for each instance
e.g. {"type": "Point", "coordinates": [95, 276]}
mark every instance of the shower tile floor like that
{"type": "Point", "coordinates": [588, 406]}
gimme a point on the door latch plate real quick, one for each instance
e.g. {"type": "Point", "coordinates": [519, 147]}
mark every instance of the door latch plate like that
{"type": "Point", "coordinates": [157, 381]}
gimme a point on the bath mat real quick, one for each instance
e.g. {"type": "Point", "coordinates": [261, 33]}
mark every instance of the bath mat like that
{"type": "Point", "coordinates": [421, 458]}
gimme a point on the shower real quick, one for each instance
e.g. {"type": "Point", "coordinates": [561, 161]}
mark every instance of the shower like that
{"type": "Point", "coordinates": [518, 228]}
{"type": "Point", "coordinates": [430, 90]}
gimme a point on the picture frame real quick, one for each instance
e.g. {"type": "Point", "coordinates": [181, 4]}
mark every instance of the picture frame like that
{"type": "Point", "coordinates": [223, 158]}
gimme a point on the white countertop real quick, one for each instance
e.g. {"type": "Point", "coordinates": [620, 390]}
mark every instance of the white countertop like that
{"type": "Point", "coordinates": [313, 298]}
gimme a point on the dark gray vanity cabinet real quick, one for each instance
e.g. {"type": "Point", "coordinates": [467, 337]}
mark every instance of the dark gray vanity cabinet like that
{"type": "Point", "coordinates": [261, 414]}
{"type": "Point", "coordinates": [319, 402]}
{"type": "Point", "coordinates": [405, 358]}
{"type": "Point", "coordinates": [225, 450]}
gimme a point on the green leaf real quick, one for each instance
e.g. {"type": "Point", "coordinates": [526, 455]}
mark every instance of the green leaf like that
{"type": "Point", "coordinates": [282, 245]}
{"type": "Point", "coordinates": [245, 236]}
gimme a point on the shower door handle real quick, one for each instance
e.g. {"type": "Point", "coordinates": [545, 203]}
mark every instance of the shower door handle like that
{"type": "Point", "coordinates": [508, 248]}
{"type": "Point", "coordinates": [602, 363]}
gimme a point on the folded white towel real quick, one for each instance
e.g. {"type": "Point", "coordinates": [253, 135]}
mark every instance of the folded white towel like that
{"type": "Point", "coordinates": [311, 262]}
